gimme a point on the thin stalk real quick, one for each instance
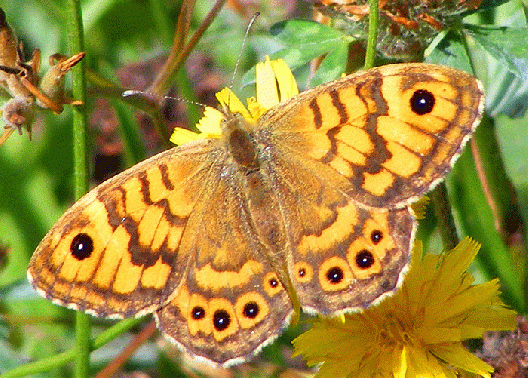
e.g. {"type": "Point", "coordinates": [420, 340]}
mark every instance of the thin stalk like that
{"type": "Point", "coordinates": [61, 359]}
{"type": "Point", "coordinates": [444, 216]}
{"type": "Point", "coordinates": [168, 73]}
{"type": "Point", "coordinates": [372, 34]}
{"type": "Point", "coordinates": [76, 44]}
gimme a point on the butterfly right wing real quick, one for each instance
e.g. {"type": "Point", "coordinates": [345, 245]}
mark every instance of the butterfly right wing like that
{"type": "Point", "coordinates": [393, 132]}
{"type": "Point", "coordinates": [342, 256]}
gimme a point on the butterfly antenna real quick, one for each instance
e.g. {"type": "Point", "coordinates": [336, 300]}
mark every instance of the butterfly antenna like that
{"type": "Point", "coordinates": [132, 95]}
{"type": "Point", "coordinates": [250, 24]}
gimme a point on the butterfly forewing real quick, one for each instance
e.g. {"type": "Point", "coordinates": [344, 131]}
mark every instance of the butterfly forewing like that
{"type": "Point", "coordinates": [393, 131]}
{"type": "Point", "coordinates": [116, 252]}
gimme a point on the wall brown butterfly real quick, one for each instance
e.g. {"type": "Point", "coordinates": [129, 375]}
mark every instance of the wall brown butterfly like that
{"type": "Point", "coordinates": [213, 237]}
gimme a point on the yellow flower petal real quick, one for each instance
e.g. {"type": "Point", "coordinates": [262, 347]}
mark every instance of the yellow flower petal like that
{"type": "Point", "coordinates": [230, 101]}
{"type": "Point", "coordinates": [421, 364]}
{"type": "Point", "coordinates": [285, 79]}
{"type": "Point", "coordinates": [275, 83]}
{"type": "Point", "coordinates": [182, 136]}
{"type": "Point", "coordinates": [209, 127]}
{"type": "Point", "coordinates": [420, 207]}
{"type": "Point", "coordinates": [210, 123]}
{"type": "Point", "coordinates": [255, 108]}
{"type": "Point", "coordinates": [455, 354]}
{"type": "Point", "coordinates": [437, 335]}
{"type": "Point", "coordinates": [267, 94]}
{"type": "Point", "coordinates": [499, 319]}
{"type": "Point", "coordinates": [400, 370]}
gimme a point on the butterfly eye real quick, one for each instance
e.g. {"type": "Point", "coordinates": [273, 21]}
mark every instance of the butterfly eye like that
{"type": "Point", "coordinates": [422, 102]}
{"type": "Point", "coordinates": [81, 246]}
{"type": "Point", "coordinates": [364, 259]}
{"type": "Point", "coordinates": [198, 313]}
{"type": "Point", "coordinates": [251, 310]}
{"type": "Point", "coordinates": [335, 275]}
{"type": "Point", "coordinates": [376, 236]}
{"type": "Point", "coordinates": [271, 284]}
{"type": "Point", "coordinates": [304, 272]}
{"type": "Point", "coordinates": [221, 320]}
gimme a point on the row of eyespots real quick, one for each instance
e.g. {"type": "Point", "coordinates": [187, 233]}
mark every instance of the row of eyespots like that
{"type": "Point", "coordinates": [335, 273]}
{"type": "Point", "coordinates": [222, 318]}
{"type": "Point", "coordinates": [249, 310]}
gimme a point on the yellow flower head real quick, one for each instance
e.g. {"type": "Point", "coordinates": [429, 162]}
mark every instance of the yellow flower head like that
{"type": "Point", "coordinates": [418, 332]}
{"type": "Point", "coordinates": [274, 84]}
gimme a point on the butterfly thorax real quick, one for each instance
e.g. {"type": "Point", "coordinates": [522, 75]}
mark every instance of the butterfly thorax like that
{"type": "Point", "coordinates": [240, 142]}
{"type": "Point", "coordinates": [263, 205]}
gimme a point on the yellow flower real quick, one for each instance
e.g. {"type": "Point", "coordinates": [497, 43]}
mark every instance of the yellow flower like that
{"type": "Point", "coordinates": [418, 332]}
{"type": "Point", "coordinates": [274, 84]}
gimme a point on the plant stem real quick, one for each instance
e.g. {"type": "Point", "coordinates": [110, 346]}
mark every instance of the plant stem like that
{"type": "Point", "coordinates": [179, 53]}
{"type": "Point", "coordinates": [76, 44]}
{"type": "Point", "coordinates": [63, 358]}
{"type": "Point", "coordinates": [446, 223]}
{"type": "Point", "coordinates": [372, 34]}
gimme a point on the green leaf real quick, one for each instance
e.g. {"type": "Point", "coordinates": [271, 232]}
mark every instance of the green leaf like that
{"type": "Point", "coordinates": [332, 66]}
{"type": "Point", "coordinates": [476, 220]}
{"type": "Point", "coordinates": [306, 40]}
{"type": "Point", "coordinates": [513, 151]}
{"type": "Point", "coordinates": [447, 49]}
{"type": "Point", "coordinates": [501, 62]}
{"type": "Point", "coordinates": [509, 46]}
{"type": "Point", "coordinates": [505, 93]}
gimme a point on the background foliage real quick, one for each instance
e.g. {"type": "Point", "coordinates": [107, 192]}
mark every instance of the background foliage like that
{"type": "Point", "coordinates": [127, 42]}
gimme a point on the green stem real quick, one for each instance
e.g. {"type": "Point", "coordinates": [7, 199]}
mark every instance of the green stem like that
{"type": "Point", "coordinates": [372, 34]}
{"type": "Point", "coordinates": [444, 216]}
{"type": "Point", "coordinates": [82, 345]}
{"type": "Point", "coordinates": [61, 359]}
{"type": "Point", "coordinates": [76, 44]}
{"type": "Point", "coordinates": [178, 54]}
{"type": "Point", "coordinates": [40, 366]}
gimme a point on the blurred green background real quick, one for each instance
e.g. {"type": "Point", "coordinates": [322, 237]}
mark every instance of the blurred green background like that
{"type": "Point", "coordinates": [127, 42]}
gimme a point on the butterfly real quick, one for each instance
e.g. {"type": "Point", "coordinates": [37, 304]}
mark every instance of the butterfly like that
{"type": "Point", "coordinates": [219, 237]}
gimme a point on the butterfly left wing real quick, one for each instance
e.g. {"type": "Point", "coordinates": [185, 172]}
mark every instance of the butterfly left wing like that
{"type": "Point", "coordinates": [231, 302]}
{"type": "Point", "coordinates": [116, 252]}
{"type": "Point", "coordinates": [171, 235]}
